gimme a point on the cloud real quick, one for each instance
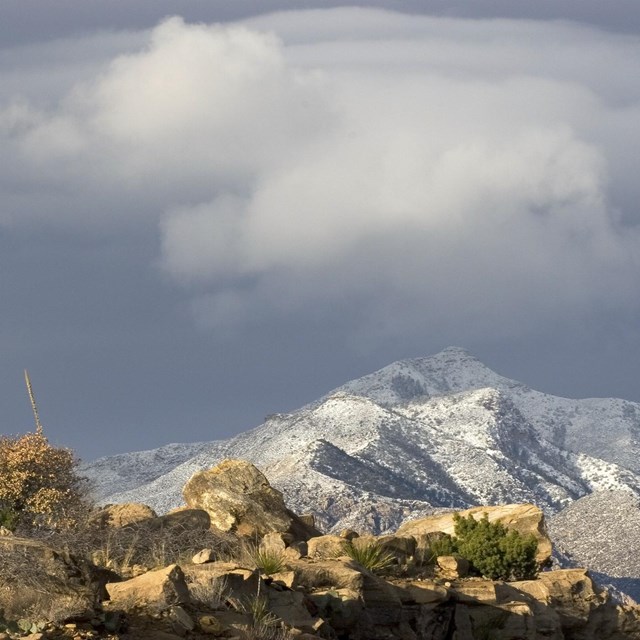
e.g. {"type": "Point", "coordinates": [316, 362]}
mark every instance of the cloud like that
{"type": "Point", "coordinates": [412, 173]}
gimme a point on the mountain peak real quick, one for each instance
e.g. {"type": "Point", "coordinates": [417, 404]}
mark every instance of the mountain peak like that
{"type": "Point", "coordinates": [451, 370]}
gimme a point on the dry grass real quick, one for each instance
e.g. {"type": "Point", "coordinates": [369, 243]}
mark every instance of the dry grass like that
{"type": "Point", "coordinates": [209, 592]}
{"type": "Point", "coordinates": [38, 592]}
{"type": "Point", "coordinates": [122, 549]}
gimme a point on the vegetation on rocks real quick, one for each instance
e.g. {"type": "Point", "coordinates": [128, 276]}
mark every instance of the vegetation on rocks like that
{"type": "Point", "coordinates": [493, 550]}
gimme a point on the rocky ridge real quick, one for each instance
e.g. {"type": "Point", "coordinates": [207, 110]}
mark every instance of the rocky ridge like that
{"type": "Point", "coordinates": [417, 436]}
{"type": "Point", "coordinates": [302, 584]}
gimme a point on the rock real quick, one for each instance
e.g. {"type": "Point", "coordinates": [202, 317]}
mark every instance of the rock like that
{"type": "Point", "coordinates": [524, 518]}
{"type": "Point", "coordinates": [5, 532]}
{"type": "Point", "coordinates": [324, 574]}
{"type": "Point", "coordinates": [159, 589]}
{"type": "Point", "coordinates": [326, 547]}
{"type": "Point", "coordinates": [182, 618]}
{"type": "Point", "coordinates": [290, 608]}
{"type": "Point", "coordinates": [286, 578]}
{"type": "Point", "coordinates": [242, 582]}
{"type": "Point", "coordinates": [400, 547]}
{"type": "Point", "coordinates": [276, 542]}
{"type": "Point", "coordinates": [453, 567]}
{"type": "Point", "coordinates": [349, 534]}
{"type": "Point", "coordinates": [185, 519]}
{"type": "Point", "coordinates": [204, 556]}
{"type": "Point", "coordinates": [475, 591]}
{"type": "Point", "coordinates": [211, 625]}
{"type": "Point", "coordinates": [423, 592]}
{"type": "Point", "coordinates": [122, 515]}
{"type": "Point", "coordinates": [238, 498]}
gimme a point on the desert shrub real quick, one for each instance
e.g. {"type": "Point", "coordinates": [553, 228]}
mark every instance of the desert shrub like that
{"type": "Point", "coordinates": [370, 555]}
{"type": "Point", "coordinates": [40, 486]}
{"type": "Point", "coordinates": [493, 550]}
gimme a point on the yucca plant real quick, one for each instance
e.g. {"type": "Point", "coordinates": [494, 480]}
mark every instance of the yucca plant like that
{"type": "Point", "coordinates": [370, 555]}
{"type": "Point", "coordinates": [269, 561]}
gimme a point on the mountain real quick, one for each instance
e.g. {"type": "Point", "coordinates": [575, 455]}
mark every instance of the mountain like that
{"type": "Point", "coordinates": [602, 531]}
{"type": "Point", "coordinates": [439, 431]}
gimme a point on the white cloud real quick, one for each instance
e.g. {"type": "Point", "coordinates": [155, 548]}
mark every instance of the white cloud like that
{"type": "Point", "coordinates": [469, 176]}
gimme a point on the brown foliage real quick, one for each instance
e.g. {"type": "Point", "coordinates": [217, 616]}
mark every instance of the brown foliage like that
{"type": "Point", "coordinates": [39, 485]}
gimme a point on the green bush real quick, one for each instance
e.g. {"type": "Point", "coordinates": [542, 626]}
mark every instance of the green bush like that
{"type": "Point", "coordinates": [492, 550]}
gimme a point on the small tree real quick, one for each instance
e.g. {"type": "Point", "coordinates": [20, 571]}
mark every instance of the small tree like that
{"type": "Point", "coordinates": [39, 484]}
{"type": "Point", "coordinates": [493, 550]}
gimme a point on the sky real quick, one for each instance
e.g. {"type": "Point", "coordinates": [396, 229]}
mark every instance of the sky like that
{"type": "Point", "coordinates": [214, 211]}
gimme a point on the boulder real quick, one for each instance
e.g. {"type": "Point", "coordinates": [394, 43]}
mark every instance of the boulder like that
{"type": "Point", "coordinates": [158, 589]}
{"type": "Point", "coordinates": [185, 519]}
{"type": "Point", "coordinates": [328, 546]}
{"type": "Point", "coordinates": [122, 515]}
{"type": "Point", "coordinates": [524, 518]}
{"type": "Point", "coordinates": [239, 498]}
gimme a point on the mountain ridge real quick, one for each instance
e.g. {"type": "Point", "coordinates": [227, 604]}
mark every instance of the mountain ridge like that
{"type": "Point", "coordinates": [439, 431]}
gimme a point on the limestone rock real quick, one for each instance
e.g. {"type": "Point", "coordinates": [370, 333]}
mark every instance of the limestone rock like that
{"type": "Point", "coordinates": [239, 498]}
{"type": "Point", "coordinates": [524, 518]}
{"type": "Point", "coordinates": [161, 589]}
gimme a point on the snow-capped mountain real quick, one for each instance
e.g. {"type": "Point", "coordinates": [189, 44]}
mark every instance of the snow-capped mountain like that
{"type": "Point", "coordinates": [440, 431]}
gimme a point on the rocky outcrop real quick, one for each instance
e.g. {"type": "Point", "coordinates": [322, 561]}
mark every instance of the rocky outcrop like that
{"type": "Point", "coordinates": [239, 499]}
{"type": "Point", "coordinates": [524, 518]}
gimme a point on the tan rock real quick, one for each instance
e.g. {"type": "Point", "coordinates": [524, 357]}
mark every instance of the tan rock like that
{"type": "Point", "coordinates": [453, 567]}
{"type": "Point", "coordinates": [524, 518]}
{"type": "Point", "coordinates": [158, 589]}
{"type": "Point", "coordinates": [238, 498]}
{"type": "Point", "coordinates": [323, 574]}
{"type": "Point", "coordinates": [286, 578]}
{"type": "Point", "coordinates": [239, 581]}
{"type": "Point", "coordinates": [276, 542]}
{"type": "Point", "coordinates": [328, 546]}
{"type": "Point", "coordinates": [123, 515]}
{"type": "Point", "coordinates": [204, 556]}
{"type": "Point", "coordinates": [475, 591]}
{"type": "Point", "coordinates": [349, 534]}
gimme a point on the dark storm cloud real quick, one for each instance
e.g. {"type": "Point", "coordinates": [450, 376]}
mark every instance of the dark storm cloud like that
{"type": "Point", "coordinates": [193, 214]}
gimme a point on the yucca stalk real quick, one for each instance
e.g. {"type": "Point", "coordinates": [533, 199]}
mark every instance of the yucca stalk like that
{"type": "Point", "coordinates": [34, 406]}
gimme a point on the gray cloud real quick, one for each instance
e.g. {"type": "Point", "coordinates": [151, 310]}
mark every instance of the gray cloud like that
{"type": "Point", "coordinates": [352, 175]}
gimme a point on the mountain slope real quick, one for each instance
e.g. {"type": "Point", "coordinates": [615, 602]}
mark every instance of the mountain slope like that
{"type": "Point", "coordinates": [442, 431]}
